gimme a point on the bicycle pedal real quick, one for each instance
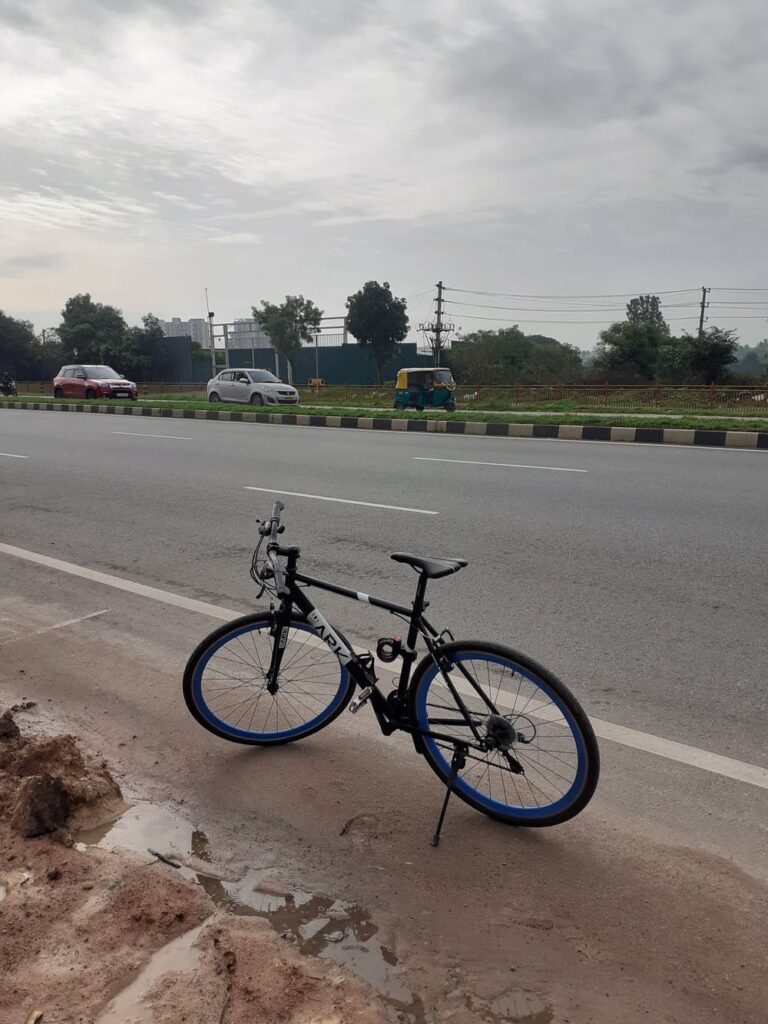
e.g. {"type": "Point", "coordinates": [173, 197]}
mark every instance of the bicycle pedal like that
{"type": "Point", "coordinates": [358, 702]}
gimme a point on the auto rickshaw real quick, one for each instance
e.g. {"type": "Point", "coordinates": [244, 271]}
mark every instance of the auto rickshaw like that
{"type": "Point", "coordinates": [425, 387]}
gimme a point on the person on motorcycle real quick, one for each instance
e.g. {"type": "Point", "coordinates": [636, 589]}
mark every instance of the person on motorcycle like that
{"type": "Point", "coordinates": [7, 386]}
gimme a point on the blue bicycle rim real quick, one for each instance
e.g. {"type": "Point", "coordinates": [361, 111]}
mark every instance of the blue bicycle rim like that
{"type": "Point", "coordinates": [282, 734]}
{"type": "Point", "coordinates": [462, 786]}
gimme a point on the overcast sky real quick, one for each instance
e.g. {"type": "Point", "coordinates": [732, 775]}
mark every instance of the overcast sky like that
{"type": "Point", "coordinates": [538, 147]}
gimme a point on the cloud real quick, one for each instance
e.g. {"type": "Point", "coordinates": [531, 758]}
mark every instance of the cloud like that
{"type": "Point", "coordinates": [236, 238]}
{"type": "Point", "coordinates": [15, 266]}
{"type": "Point", "coordinates": [497, 137]}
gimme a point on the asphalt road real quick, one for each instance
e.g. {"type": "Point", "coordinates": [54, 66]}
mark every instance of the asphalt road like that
{"type": "Point", "coordinates": [640, 581]}
{"type": "Point", "coordinates": [636, 573]}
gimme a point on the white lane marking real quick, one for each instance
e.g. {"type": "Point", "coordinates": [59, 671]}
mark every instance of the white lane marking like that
{"type": "Point", "coordinates": [57, 625]}
{"type": "Point", "coordinates": [118, 583]}
{"type": "Point", "coordinates": [508, 465]}
{"type": "Point", "coordinates": [740, 771]}
{"type": "Point", "coordinates": [345, 501]}
{"type": "Point", "coordinates": [7, 455]}
{"type": "Point", "coordinates": [73, 622]}
{"type": "Point", "coordinates": [605, 444]}
{"type": "Point", "coordinates": [140, 433]}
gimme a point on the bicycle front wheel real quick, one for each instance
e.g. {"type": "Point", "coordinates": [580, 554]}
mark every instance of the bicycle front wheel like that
{"type": "Point", "coordinates": [525, 717]}
{"type": "Point", "coordinates": [225, 683]}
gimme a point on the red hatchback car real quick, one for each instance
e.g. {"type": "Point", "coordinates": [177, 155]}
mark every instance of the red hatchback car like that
{"type": "Point", "coordinates": [84, 381]}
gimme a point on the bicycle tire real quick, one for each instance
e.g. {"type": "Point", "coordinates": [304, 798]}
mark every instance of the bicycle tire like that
{"type": "Point", "coordinates": [538, 773]}
{"type": "Point", "coordinates": [338, 695]}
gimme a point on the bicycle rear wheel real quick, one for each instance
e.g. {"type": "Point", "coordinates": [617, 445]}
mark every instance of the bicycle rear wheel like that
{"type": "Point", "coordinates": [225, 683]}
{"type": "Point", "coordinates": [508, 696]}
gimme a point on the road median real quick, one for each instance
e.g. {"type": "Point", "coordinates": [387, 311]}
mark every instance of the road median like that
{"type": "Point", "coordinates": [727, 436]}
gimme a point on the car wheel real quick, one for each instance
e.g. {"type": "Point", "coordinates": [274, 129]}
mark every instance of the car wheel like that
{"type": "Point", "coordinates": [214, 397]}
{"type": "Point", "coordinates": [89, 393]}
{"type": "Point", "coordinates": [256, 399]}
{"type": "Point", "coordinates": [400, 405]}
{"type": "Point", "coordinates": [58, 393]}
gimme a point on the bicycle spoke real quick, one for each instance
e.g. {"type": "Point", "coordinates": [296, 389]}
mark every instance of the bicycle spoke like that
{"type": "Point", "coordinates": [233, 683]}
{"type": "Point", "coordinates": [544, 744]}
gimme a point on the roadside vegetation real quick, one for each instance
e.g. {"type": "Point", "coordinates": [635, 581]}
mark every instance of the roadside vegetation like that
{"type": "Point", "coordinates": [687, 421]}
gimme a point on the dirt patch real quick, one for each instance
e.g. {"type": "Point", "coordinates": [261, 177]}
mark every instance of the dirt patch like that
{"type": "Point", "coordinates": [48, 783]}
{"type": "Point", "coordinates": [83, 927]}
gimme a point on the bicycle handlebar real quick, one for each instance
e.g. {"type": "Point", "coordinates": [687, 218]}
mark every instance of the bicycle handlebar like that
{"type": "Point", "coordinates": [271, 529]}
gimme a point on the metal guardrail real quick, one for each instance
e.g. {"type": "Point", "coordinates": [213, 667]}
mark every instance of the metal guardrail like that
{"type": "Point", "coordinates": [613, 398]}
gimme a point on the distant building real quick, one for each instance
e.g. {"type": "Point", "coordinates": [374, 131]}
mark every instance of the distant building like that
{"type": "Point", "coordinates": [246, 333]}
{"type": "Point", "coordinates": [196, 329]}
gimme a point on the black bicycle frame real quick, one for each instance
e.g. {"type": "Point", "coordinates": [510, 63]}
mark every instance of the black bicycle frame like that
{"type": "Point", "coordinates": [360, 667]}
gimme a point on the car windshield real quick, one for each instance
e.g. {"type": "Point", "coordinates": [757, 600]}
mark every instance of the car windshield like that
{"type": "Point", "coordinates": [263, 377]}
{"type": "Point", "coordinates": [101, 373]}
{"type": "Point", "coordinates": [443, 377]}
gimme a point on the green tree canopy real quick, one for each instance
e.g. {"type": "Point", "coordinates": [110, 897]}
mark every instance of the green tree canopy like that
{"type": "Point", "coordinates": [92, 331]}
{"type": "Point", "coordinates": [508, 356]}
{"type": "Point", "coordinates": [25, 356]}
{"type": "Point", "coordinates": [636, 350]}
{"type": "Point", "coordinates": [646, 309]}
{"type": "Point", "coordinates": [629, 353]}
{"type": "Point", "coordinates": [145, 355]}
{"type": "Point", "coordinates": [17, 347]}
{"type": "Point", "coordinates": [379, 322]}
{"type": "Point", "coordinates": [708, 356]}
{"type": "Point", "coordinates": [288, 324]}
{"type": "Point", "coordinates": [751, 361]}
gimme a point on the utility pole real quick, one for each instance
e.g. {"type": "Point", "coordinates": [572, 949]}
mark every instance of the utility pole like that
{"type": "Point", "coordinates": [437, 328]}
{"type": "Point", "coordinates": [210, 334]}
{"type": "Point", "coordinates": [439, 322]}
{"type": "Point", "coordinates": [704, 304]}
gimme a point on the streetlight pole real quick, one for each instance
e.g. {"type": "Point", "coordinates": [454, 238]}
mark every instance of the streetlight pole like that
{"type": "Point", "coordinates": [210, 334]}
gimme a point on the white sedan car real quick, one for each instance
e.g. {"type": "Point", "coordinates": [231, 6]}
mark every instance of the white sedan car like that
{"type": "Point", "coordinates": [254, 387]}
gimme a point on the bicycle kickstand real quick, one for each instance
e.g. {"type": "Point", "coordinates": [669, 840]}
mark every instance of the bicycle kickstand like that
{"type": "Point", "coordinates": [458, 761]}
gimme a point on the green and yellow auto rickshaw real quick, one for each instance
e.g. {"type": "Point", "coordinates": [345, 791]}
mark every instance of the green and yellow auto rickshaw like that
{"type": "Point", "coordinates": [424, 387]}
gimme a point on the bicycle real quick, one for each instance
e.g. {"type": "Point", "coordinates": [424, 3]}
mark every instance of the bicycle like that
{"type": "Point", "coordinates": [500, 731]}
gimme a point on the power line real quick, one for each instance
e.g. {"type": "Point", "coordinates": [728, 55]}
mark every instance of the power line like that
{"type": "Point", "coordinates": [581, 309]}
{"type": "Point", "coordinates": [506, 319]}
{"type": "Point", "coordinates": [606, 295]}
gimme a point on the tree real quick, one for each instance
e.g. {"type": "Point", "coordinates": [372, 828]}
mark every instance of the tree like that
{"type": "Point", "coordinates": [646, 309]}
{"type": "Point", "coordinates": [146, 353]}
{"type": "Point", "coordinates": [708, 356]}
{"type": "Point", "coordinates": [751, 362]}
{"type": "Point", "coordinates": [508, 356]}
{"type": "Point", "coordinates": [629, 353]}
{"type": "Point", "coordinates": [287, 325]}
{"type": "Point", "coordinates": [91, 331]}
{"type": "Point", "coordinates": [17, 347]}
{"type": "Point", "coordinates": [636, 349]}
{"type": "Point", "coordinates": [379, 322]}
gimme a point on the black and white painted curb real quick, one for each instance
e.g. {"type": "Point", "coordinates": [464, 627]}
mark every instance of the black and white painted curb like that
{"type": "Point", "coordinates": [562, 432]}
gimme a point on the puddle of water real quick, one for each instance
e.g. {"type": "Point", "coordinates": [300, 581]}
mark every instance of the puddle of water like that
{"type": "Point", "coordinates": [317, 925]}
{"type": "Point", "coordinates": [130, 1007]}
{"type": "Point", "coordinates": [515, 1006]}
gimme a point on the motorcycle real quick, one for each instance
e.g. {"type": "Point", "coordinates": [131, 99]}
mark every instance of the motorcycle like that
{"type": "Point", "coordinates": [8, 388]}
